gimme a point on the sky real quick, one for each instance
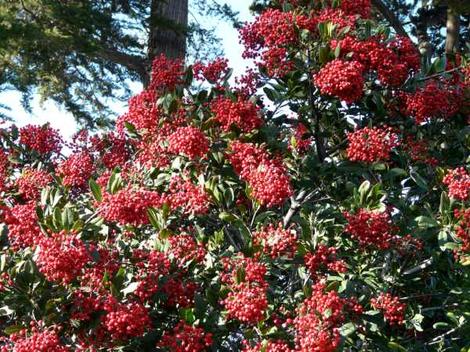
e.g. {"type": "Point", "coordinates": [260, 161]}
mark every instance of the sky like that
{"type": "Point", "coordinates": [48, 111]}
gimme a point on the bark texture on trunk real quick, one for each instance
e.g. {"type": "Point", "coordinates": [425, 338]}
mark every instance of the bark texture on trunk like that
{"type": "Point", "coordinates": [168, 24]}
{"type": "Point", "coordinates": [453, 29]}
{"type": "Point", "coordinates": [421, 24]}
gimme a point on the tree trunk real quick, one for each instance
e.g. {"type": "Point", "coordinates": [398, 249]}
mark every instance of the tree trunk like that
{"type": "Point", "coordinates": [168, 25]}
{"type": "Point", "coordinates": [452, 36]}
{"type": "Point", "coordinates": [424, 43]}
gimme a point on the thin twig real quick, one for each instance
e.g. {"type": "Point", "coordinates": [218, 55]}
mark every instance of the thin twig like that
{"type": "Point", "coordinates": [440, 74]}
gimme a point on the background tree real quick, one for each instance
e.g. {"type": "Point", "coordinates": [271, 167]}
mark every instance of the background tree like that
{"type": "Point", "coordinates": [81, 53]}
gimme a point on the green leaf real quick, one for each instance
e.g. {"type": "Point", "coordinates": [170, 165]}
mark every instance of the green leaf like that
{"type": "Point", "coordinates": [271, 94]}
{"type": "Point", "coordinates": [425, 222]}
{"type": "Point", "coordinates": [396, 172]}
{"type": "Point", "coordinates": [13, 329]}
{"type": "Point", "coordinates": [187, 314]}
{"type": "Point", "coordinates": [115, 182]}
{"type": "Point", "coordinates": [347, 329]}
{"type": "Point", "coordinates": [440, 325]}
{"type": "Point", "coordinates": [419, 180]}
{"type": "Point", "coordinates": [155, 218]}
{"type": "Point", "coordinates": [443, 239]}
{"type": "Point", "coordinates": [95, 190]}
{"type": "Point", "coordinates": [324, 54]}
{"type": "Point", "coordinates": [67, 218]}
{"type": "Point", "coordinates": [132, 131]}
{"type": "Point", "coordinates": [379, 167]}
{"type": "Point", "coordinates": [444, 205]}
{"type": "Point", "coordinates": [337, 50]}
{"type": "Point", "coordinates": [224, 216]}
{"type": "Point", "coordinates": [395, 346]}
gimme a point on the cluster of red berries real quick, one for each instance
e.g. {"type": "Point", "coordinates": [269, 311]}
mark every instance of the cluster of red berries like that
{"type": "Point", "coordinates": [335, 16]}
{"type": "Point", "coordinates": [247, 83]}
{"type": "Point", "coordinates": [276, 241]}
{"type": "Point", "coordinates": [142, 113]}
{"type": "Point", "coordinates": [166, 74]}
{"type": "Point", "coordinates": [363, 51]}
{"type": "Point", "coordinates": [324, 258]}
{"type": "Point", "coordinates": [179, 292]}
{"type": "Point", "coordinates": [458, 181]}
{"type": "Point", "coordinates": [272, 28]}
{"type": "Point", "coordinates": [419, 150]}
{"type": "Point", "coordinates": [125, 321]}
{"type": "Point", "coordinates": [268, 38]}
{"type": "Point", "coordinates": [105, 262]}
{"type": "Point", "coordinates": [129, 205]}
{"type": "Point", "coordinates": [247, 300]}
{"type": "Point", "coordinates": [112, 149]}
{"type": "Point", "coordinates": [341, 79]}
{"type": "Point", "coordinates": [153, 266]}
{"type": "Point", "coordinates": [42, 139]}
{"type": "Point", "coordinates": [76, 170]}
{"type": "Point", "coordinates": [319, 318]}
{"type": "Point", "coordinates": [244, 268]}
{"type": "Point", "coordinates": [300, 140]}
{"type": "Point", "coordinates": [62, 257]}
{"type": "Point", "coordinates": [361, 8]}
{"type": "Point", "coordinates": [276, 62]}
{"type": "Point", "coordinates": [241, 114]}
{"type": "Point", "coordinates": [23, 228]}
{"type": "Point", "coordinates": [244, 157]}
{"type": "Point", "coordinates": [370, 228]}
{"type": "Point", "coordinates": [393, 61]}
{"type": "Point", "coordinates": [270, 184]}
{"type": "Point", "coordinates": [267, 177]}
{"type": "Point", "coordinates": [4, 166]}
{"type": "Point", "coordinates": [189, 141]}
{"type": "Point", "coordinates": [188, 197]}
{"type": "Point", "coordinates": [184, 249]}
{"type": "Point", "coordinates": [247, 303]}
{"type": "Point", "coordinates": [31, 182]}
{"type": "Point", "coordinates": [274, 31]}
{"type": "Point", "coordinates": [214, 71]}
{"type": "Point", "coordinates": [462, 230]}
{"type": "Point", "coordinates": [35, 340]}
{"type": "Point", "coordinates": [434, 100]}
{"type": "Point", "coordinates": [185, 338]}
{"type": "Point", "coordinates": [371, 144]}
{"type": "Point", "coordinates": [393, 310]}
{"type": "Point", "coordinates": [85, 304]}
{"type": "Point", "coordinates": [151, 151]}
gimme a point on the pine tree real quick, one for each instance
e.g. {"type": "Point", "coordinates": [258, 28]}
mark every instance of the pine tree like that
{"type": "Point", "coordinates": [87, 51]}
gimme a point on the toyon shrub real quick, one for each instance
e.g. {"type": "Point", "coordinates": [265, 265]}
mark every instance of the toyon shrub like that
{"type": "Point", "coordinates": [319, 203]}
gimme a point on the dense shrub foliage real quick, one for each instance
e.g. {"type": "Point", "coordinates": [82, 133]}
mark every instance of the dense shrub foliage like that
{"type": "Point", "coordinates": [319, 204]}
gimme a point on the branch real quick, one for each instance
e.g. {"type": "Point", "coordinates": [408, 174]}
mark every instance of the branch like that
{"type": "Point", "coordinates": [296, 203]}
{"type": "Point", "coordinates": [390, 17]}
{"type": "Point", "coordinates": [439, 74]}
{"type": "Point", "coordinates": [425, 264]}
{"type": "Point", "coordinates": [132, 62]}
{"type": "Point", "coordinates": [315, 116]}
